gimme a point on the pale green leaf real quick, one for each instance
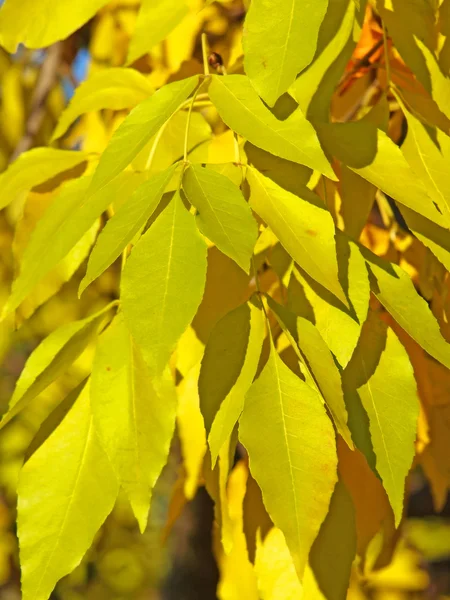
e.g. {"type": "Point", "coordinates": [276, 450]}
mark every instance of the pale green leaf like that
{"type": "Point", "coordinates": [428, 152]}
{"type": "Point", "coordinates": [139, 126]}
{"type": "Point", "coordinates": [335, 545]}
{"type": "Point", "coordinates": [411, 24]}
{"type": "Point", "coordinates": [156, 19]}
{"type": "Point", "coordinates": [228, 368]}
{"type": "Point", "coordinates": [114, 88]}
{"type": "Point", "coordinates": [33, 168]}
{"type": "Point", "coordinates": [223, 215]}
{"type": "Point", "coordinates": [51, 358]}
{"type": "Point", "coordinates": [389, 397]}
{"type": "Point", "coordinates": [373, 155]}
{"type": "Point", "coordinates": [40, 24]}
{"type": "Point", "coordinates": [291, 446]}
{"type": "Point", "coordinates": [304, 228]}
{"type": "Point", "coordinates": [120, 230]}
{"type": "Point", "coordinates": [134, 425]}
{"type": "Point", "coordinates": [163, 283]}
{"type": "Point", "coordinates": [280, 39]}
{"type": "Point", "coordinates": [395, 290]}
{"type": "Point", "coordinates": [318, 360]}
{"type": "Point", "coordinates": [339, 325]}
{"type": "Point", "coordinates": [67, 219]}
{"type": "Point", "coordinates": [66, 491]}
{"type": "Point", "coordinates": [338, 35]}
{"type": "Point", "coordinates": [243, 111]}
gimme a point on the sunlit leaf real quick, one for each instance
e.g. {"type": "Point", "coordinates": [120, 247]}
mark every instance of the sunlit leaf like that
{"type": "Point", "coordinates": [40, 25]}
{"type": "Point", "coordinates": [167, 264]}
{"type": "Point", "coordinates": [291, 446]}
{"type": "Point", "coordinates": [156, 19]}
{"type": "Point", "coordinates": [133, 424]}
{"type": "Point", "coordinates": [114, 88]}
{"type": "Point", "coordinates": [280, 40]}
{"type": "Point", "coordinates": [63, 224]}
{"type": "Point", "coordinates": [35, 167]}
{"type": "Point", "coordinates": [243, 111]}
{"type": "Point", "coordinates": [191, 430]}
{"type": "Point", "coordinates": [396, 292]}
{"type": "Point", "coordinates": [440, 84]}
{"type": "Point", "coordinates": [304, 228]}
{"type": "Point", "coordinates": [335, 545]}
{"type": "Point", "coordinates": [137, 129]}
{"type": "Point", "coordinates": [78, 488]}
{"type": "Point", "coordinates": [223, 215]}
{"type": "Point", "coordinates": [373, 155]}
{"type": "Point", "coordinates": [228, 368]}
{"type": "Point", "coordinates": [125, 224]}
{"type": "Point", "coordinates": [51, 358]}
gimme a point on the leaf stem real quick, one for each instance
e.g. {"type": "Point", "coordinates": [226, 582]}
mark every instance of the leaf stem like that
{"type": "Point", "coordinates": [386, 55]}
{"type": "Point", "coordinates": [205, 54]}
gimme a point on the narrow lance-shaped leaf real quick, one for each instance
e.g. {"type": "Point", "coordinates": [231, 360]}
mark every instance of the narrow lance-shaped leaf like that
{"type": "Point", "coordinates": [134, 425]}
{"type": "Point", "coordinates": [228, 368]}
{"type": "Point", "coordinates": [243, 111]}
{"type": "Point", "coordinates": [291, 446]}
{"type": "Point", "coordinates": [305, 229]}
{"type": "Point", "coordinates": [156, 19]}
{"type": "Point", "coordinates": [66, 491]}
{"type": "Point", "coordinates": [33, 168]}
{"type": "Point", "coordinates": [51, 358]}
{"type": "Point", "coordinates": [163, 283]}
{"type": "Point", "coordinates": [389, 396]}
{"type": "Point", "coordinates": [38, 25]}
{"type": "Point", "coordinates": [113, 88]}
{"type": "Point", "coordinates": [319, 361]}
{"type": "Point", "coordinates": [63, 224]}
{"type": "Point", "coordinates": [280, 40]}
{"type": "Point", "coordinates": [223, 214]}
{"type": "Point", "coordinates": [395, 290]}
{"type": "Point", "coordinates": [125, 224]}
{"type": "Point", "coordinates": [137, 129]}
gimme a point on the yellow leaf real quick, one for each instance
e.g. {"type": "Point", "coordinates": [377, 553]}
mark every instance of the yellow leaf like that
{"type": "Point", "coordinates": [40, 24]}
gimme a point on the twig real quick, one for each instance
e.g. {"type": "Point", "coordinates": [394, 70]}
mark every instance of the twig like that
{"type": "Point", "coordinates": [44, 84]}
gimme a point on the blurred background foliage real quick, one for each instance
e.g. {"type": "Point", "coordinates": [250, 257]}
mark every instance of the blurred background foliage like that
{"type": "Point", "coordinates": [179, 556]}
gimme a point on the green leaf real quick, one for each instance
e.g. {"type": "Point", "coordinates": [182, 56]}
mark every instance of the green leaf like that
{"type": "Point", "coordinates": [120, 230]}
{"type": "Point", "coordinates": [373, 155]}
{"type": "Point", "coordinates": [66, 220]}
{"type": "Point", "coordinates": [66, 491]}
{"type": "Point", "coordinates": [243, 111]}
{"type": "Point", "coordinates": [339, 326]}
{"type": "Point", "coordinates": [388, 393]}
{"type": "Point", "coordinates": [227, 371]}
{"type": "Point", "coordinates": [319, 362]}
{"type": "Point", "coordinates": [335, 545]}
{"type": "Point", "coordinates": [280, 39]}
{"type": "Point", "coordinates": [163, 283]}
{"type": "Point", "coordinates": [223, 216]}
{"type": "Point", "coordinates": [51, 358]}
{"type": "Point", "coordinates": [113, 88]}
{"type": "Point", "coordinates": [395, 290]}
{"type": "Point", "coordinates": [409, 24]}
{"type": "Point", "coordinates": [136, 130]}
{"type": "Point", "coordinates": [292, 453]}
{"type": "Point", "coordinates": [338, 35]}
{"type": "Point", "coordinates": [38, 25]}
{"type": "Point", "coordinates": [54, 419]}
{"type": "Point", "coordinates": [33, 168]}
{"type": "Point", "coordinates": [305, 229]}
{"type": "Point", "coordinates": [428, 152]}
{"type": "Point", "coordinates": [134, 425]}
{"type": "Point", "coordinates": [440, 84]}
{"type": "Point", "coordinates": [357, 198]}
{"type": "Point", "coordinates": [156, 19]}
